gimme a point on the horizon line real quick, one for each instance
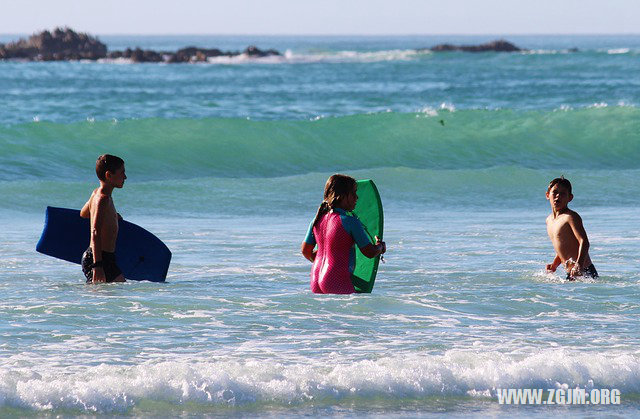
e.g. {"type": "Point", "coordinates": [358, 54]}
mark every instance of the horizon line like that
{"type": "Point", "coordinates": [328, 35]}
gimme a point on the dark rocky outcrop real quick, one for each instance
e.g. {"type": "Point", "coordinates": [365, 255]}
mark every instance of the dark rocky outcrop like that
{"type": "Point", "coordinates": [194, 54]}
{"type": "Point", "coordinates": [138, 55]}
{"type": "Point", "coordinates": [61, 44]}
{"type": "Point", "coordinates": [65, 44]}
{"type": "Point", "coordinates": [186, 55]}
{"type": "Point", "coordinates": [253, 51]}
{"type": "Point", "coordinates": [494, 46]}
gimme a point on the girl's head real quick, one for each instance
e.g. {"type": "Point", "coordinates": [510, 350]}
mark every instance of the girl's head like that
{"type": "Point", "coordinates": [340, 191]}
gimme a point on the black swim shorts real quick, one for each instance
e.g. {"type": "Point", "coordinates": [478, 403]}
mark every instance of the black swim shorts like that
{"type": "Point", "coordinates": [589, 271]}
{"type": "Point", "coordinates": [111, 269]}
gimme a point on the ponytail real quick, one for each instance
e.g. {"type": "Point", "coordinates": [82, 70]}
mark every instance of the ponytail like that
{"type": "Point", "coordinates": [322, 210]}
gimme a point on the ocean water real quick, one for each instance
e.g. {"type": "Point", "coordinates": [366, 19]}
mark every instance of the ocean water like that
{"type": "Point", "coordinates": [226, 164]}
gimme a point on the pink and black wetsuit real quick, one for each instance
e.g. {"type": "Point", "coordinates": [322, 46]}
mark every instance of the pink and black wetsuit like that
{"type": "Point", "coordinates": [335, 234]}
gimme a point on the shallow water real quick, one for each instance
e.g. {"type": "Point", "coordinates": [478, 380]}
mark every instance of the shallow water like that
{"type": "Point", "coordinates": [461, 307]}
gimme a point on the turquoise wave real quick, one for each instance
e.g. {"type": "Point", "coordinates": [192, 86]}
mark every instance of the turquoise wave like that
{"type": "Point", "coordinates": [164, 149]}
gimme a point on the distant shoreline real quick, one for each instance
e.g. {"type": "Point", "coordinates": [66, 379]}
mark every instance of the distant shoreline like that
{"type": "Point", "coordinates": [64, 44]}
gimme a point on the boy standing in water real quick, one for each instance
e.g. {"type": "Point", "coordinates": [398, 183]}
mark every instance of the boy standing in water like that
{"type": "Point", "coordinates": [567, 233]}
{"type": "Point", "coordinates": [99, 260]}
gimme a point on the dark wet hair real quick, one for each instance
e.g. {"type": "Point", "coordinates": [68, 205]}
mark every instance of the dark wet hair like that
{"type": "Point", "coordinates": [107, 163]}
{"type": "Point", "coordinates": [560, 181]}
{"type": "Point", "coordinates": [337, 187]}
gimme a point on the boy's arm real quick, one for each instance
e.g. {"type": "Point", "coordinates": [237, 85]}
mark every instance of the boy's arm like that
{"type": "Point", "coordinates": [85, 212]}
{"type": "Point", "coordinates": [96, 237]}
{"type": "Point", "coordinates": [551, 267]}
{"type": "Point", "coordinates": [583, 242]}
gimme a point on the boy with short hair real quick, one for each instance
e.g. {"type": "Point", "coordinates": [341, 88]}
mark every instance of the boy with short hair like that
{"type": "Point", "coordinates": [99, 260]}
{"type": "Point", "coordinates": [567, 233]}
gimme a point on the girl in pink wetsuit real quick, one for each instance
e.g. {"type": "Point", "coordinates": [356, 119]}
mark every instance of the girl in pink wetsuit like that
{"type": "Point", "coordinates": [335, 233]}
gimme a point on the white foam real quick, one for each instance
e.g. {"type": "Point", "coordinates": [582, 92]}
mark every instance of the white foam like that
{"type": "Point", "coordinates": [563, 108]}
{"type": "Point", "coordinates": [290, 57]}
{"type": "Point", "coordinates": [193, 314]}
{"type": "Point", "coordinates": [598, 105]}
{"type": "Point", "coordinates": [108, 388]}
{"type": "Point", "coordinates": [245, 58]}
{"type": "Point", "coordinates": [625, 104]}
{"type": "Point", "coordinates": [429, 111]}
{"type": "Point", "coordinates": [120, 60]}
{"type": "Point", "coordinates": [446, 106]}
{"type": "Point", "coordinates": [546, 51]}
{"type": "Point", "coordinates": [616, 51]}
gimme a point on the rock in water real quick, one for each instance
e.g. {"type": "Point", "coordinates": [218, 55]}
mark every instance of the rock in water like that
{"type": "Point", "coordinates": [61, 44]}
{"type": "Point", "coordinates": [494, 46]}
{"type": "Point", "coordinates": [65, 44]}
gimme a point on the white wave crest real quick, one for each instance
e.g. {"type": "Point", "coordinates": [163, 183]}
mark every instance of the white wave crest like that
{"type": "Point", "coordinates": [290, 57]}
{"type": "Point", "coordinates": [351, 56]}
{"type": "Point", "coordinates": [428, 111]}
{"type": "Point", "coordinates": [599, 105]}
{"type": "Point", "coordinates": [547, 51]}
{"type": "Point", "coordinates": [618, 51]}
{"type": "Point", "coordinates": [108, 388]}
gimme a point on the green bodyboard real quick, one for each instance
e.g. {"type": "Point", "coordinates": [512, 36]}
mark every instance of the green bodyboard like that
{"type": "Point", "coordinates": [369, 211]}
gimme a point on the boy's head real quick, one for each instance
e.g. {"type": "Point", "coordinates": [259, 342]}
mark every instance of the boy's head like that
{"type": "Point", "coordinates": [559, 193]}
{"type": "Point", "coordinates": [562, 182]}
{"type": "Point", "coordinates": [110, 169]}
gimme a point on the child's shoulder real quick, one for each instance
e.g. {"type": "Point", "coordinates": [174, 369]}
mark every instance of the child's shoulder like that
{"type": "Point", "coordinates": [351, 222]}
{"type": "Point", "coordinates": [351, 217]}
{"type": "Point", "coordinates": [570, 216]}
{"type": "Point", "coordinates": [575, 217]}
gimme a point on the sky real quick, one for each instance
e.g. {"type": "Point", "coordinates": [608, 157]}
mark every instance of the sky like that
{"type": "Point", "coordinates": [323, 17]}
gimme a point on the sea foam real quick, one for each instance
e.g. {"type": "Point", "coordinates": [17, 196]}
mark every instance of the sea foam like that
{"type": "Point", "coordinates": [109, 388]}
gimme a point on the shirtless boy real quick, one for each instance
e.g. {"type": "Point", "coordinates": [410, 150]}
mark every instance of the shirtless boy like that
{"type": "Point", "coordinates": [99, 260]}
{"type": "Point", "coordinates": [567, 234]}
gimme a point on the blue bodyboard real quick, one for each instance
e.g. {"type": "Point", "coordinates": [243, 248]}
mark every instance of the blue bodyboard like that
{"type": "Point", "coordinates": [140, 255]}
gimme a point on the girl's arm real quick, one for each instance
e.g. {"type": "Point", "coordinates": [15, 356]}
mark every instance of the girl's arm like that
{"type": "Point", "coordinates": [373, 250]}
{"type": "Point", "coordinates": [308, 252]}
